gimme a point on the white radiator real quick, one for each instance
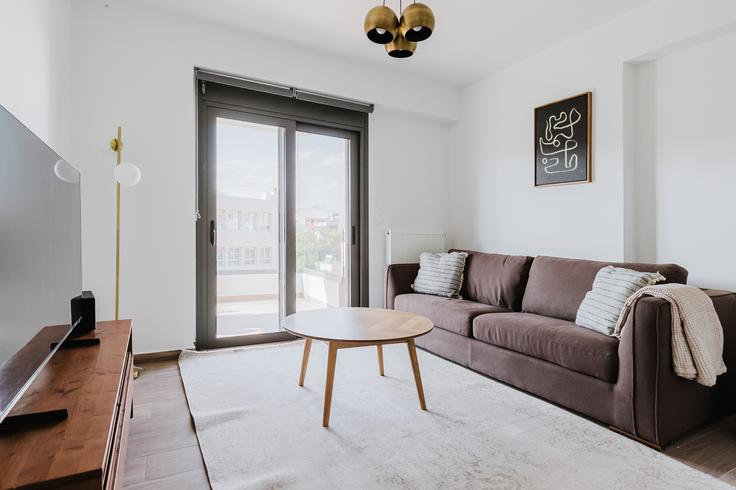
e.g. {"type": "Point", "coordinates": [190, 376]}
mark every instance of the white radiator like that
{"type": "Point", "coordinates": [404, 247]}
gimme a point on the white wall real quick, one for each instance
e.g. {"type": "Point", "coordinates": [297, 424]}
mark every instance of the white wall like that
{"type": "Point", "coordinates": [133, 67]}
{"type": "Point", "coordinates": [409, 191]}
{"type": "Point", "coordinates": [687, 161]}
{"type": "Point", "coordinates": [35, 67]}
{"type": "Point", "coordinates": [495, 205]}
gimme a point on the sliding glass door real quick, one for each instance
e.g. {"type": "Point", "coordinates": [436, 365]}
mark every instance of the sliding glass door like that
{"type": "Point", "coordinates": [278, 226]}
{"type": "Point", "coordinates": [323, 231]}
{"type": "Point", "coordinates": [248, 235]}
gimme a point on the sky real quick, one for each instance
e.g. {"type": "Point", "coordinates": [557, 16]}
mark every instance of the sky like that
{"type": "Point", "coordinates": [248, 161]}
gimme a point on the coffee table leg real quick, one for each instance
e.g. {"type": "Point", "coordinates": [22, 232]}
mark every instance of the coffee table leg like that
{"type": "Point", "coordinates": [417, 375]}
{"type": "Point", "coordinates": [331, 360]}
{"type": "Point", "coordinates": [305, 360]}
{"type": "Point", "coordinates": [379, 347]}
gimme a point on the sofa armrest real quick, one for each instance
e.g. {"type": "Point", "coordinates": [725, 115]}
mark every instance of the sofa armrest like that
{"type": "Point", "coordinates": [648, 381]}
{"type": "Point", "coordinates": [399, 278]}
{"type": "Point", "coordinates": [725, 305]}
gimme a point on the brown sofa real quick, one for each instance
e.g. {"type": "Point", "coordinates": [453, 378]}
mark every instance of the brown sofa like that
{"type": "Point", "coordinates": [515, 323]}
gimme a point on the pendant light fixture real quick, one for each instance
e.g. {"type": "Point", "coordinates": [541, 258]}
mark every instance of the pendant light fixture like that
{"type": "Point", "coordinates": [381, 24]}
{"type": "Point", "coordinates": [417, 22]}
{"type": "Point", "coordinates": [400, 47]}
{"type": "Point", "coordinates": [400, 36]}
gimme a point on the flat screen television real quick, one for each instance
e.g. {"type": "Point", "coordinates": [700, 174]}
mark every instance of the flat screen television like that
{"type": "Point", "coordinates": [40, 255]}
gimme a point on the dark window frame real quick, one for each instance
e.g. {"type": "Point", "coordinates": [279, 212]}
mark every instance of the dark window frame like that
{"type": "Point", "coordinates": [302, 115]}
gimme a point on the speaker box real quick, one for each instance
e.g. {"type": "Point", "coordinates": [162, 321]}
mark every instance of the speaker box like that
{"type": "Point", "coordinates": [83, 313]}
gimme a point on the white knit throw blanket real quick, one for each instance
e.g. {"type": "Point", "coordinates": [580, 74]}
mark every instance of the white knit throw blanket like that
{"type": "Point", "coordinates": [697, 334]}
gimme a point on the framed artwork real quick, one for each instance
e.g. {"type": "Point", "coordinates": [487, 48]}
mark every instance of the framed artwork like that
{"type": "Point", "coordinates": [562, 141]}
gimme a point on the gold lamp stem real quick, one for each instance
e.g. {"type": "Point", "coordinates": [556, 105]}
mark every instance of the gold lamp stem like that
{"type": "Point", "coordinates": [117, 145]}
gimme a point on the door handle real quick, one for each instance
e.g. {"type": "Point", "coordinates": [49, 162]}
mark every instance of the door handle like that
{"type": "Point", "coordinates": [213, 232]}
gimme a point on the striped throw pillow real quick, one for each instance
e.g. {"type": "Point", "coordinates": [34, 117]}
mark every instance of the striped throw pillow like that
{"type": "Point", "coordinates": [440, 274]}
{"type": "Point", "coordinates": [612, 286]}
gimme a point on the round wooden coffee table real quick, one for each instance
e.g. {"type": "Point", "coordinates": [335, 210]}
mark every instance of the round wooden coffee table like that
{"type": "Point", "coordinates": [344, 328]}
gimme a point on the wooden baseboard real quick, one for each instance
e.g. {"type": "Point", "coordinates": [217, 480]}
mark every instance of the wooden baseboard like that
{"type": "Point", "coordinates": [167, 355]}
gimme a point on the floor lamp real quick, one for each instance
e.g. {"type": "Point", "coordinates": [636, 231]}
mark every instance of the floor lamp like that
{"type": "Point", "coordinates": [126, 174]}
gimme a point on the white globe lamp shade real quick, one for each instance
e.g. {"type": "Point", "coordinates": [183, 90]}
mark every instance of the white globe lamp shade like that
{"type": "Point", "coordinates": [65, 172]}
{"type": "Point", "coordinates": [127, 174]}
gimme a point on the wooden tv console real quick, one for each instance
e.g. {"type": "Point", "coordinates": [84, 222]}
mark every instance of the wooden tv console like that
{"type": "Point", "coordinates": [87, 450]}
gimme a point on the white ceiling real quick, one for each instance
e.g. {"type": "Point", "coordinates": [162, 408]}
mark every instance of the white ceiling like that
{"type": "Point", "coordinates": [472, 38]}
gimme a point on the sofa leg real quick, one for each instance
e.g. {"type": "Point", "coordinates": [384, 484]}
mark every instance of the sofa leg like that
{"type": "Point", "coordinates": [652, 445]}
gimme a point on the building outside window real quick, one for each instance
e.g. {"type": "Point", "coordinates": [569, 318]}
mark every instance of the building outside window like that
{"type": "Point", "coordinates": [221, 219]}
{"type": "Point", "coordinates": [231, 219]}
{"type": "Point", "coordinates": [248, 220]}
{"type": "Point", "coordinates": [265, 257]}
{"type": "Point", "coordinates": [266, 221]}
{"type": "Point", "coordinates": [249, 256]}
{"type": "Point", "coordinates": [220, 257]}
{"type": "Point", "coordinates": [233, 257]}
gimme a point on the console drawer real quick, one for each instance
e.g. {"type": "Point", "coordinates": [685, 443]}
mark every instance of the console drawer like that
{"type": "Point", "coordinates": [119, 440]}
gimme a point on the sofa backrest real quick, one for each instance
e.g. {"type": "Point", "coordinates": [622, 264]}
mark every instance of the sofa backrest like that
{"type": "Point", "coordinates": [494, 279]}
{"type": "Point", "coordinates": [557, 286]}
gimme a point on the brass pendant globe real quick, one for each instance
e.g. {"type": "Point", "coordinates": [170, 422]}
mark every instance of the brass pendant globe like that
{"type": "Point", "coordinates": [417, 22]}
{"type": "Point", "coordinates": [381, 25]}
{"type": "Point", "coordinates": [400, 47]}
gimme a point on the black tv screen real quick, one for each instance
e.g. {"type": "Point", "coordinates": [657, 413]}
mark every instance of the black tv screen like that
{"type": "Point", "coordinates": [40, 254]}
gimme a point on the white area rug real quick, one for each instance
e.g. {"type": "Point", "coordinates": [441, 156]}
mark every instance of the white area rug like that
{"type": "Point", "coordinates": [258, 429]}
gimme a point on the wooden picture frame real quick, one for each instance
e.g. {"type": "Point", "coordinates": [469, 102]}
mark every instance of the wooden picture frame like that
{"type": "Point", "coordinates": [563, 141]}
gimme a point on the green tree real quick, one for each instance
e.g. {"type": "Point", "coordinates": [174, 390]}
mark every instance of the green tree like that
{"type": "Point", "coordinates": [313, 246]}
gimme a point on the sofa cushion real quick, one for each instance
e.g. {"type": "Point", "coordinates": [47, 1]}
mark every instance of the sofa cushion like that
{"type": "Point", "coordinates": [557, 286]}
{"type": "Point", "coordinates": [440, 274]}
{"type": "Point", "coordinates": [453, 315]}
{"type": "Point", "coordinates": [557, 341]}
{"type": "Point", "coordinates": [612, 287]}
{"type": "Point", "coordinates": [495, 279]}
